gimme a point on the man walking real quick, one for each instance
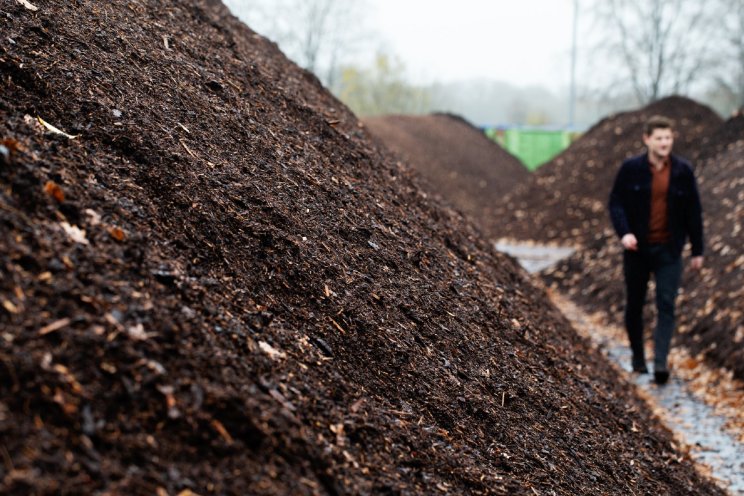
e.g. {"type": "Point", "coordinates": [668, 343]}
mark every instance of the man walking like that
{"type": "Point", "coordinates": [654, 207]}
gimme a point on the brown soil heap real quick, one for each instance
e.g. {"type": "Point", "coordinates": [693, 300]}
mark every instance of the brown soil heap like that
{"type": "Point", "coordinates": [713, 302]}
{"type": "Point", "coordinates": [457, 160]}
{"type": "Point", "coordinates": [565, 201]}
{"type": "Point", "coordinates": [220, 286]}
{"type": "Point", "coordinates": [711, 314]}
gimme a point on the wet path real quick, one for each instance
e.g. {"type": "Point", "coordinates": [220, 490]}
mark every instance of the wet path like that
{"type": "Point", "coordinates": [693, 422]}
{"type": "Point", "coordinates": [535, 258]}
{"type": "Point", "coordinates": [718, 449]}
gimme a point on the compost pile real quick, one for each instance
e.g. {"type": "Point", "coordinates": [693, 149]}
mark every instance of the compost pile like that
{"type": "Point", "coordinates": [215, 283]}
{"type": "Point", "coordinates": [565, 200]}
{"type": "Point", "coordinates": [711, 315]}
{"type": "Point", "coordinates": [712, 307]}
{"type": "Point", "coordinates": [458, 162]}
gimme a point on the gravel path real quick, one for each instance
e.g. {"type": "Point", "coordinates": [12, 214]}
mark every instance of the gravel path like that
{"type": "Point", "coordinates": [695, 405]}
{"type": "Point", "coordinates": [695, 422]}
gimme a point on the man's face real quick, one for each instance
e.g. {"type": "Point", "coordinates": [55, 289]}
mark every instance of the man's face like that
{"type": "Point", "coordinates": [660, 142]}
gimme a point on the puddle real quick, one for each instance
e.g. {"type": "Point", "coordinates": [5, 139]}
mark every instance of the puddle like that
{"type": "Point", "coordinates": [535, 258]}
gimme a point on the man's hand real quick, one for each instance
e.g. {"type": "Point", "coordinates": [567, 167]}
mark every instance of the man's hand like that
{"type": "Point", "coordinates": [630, 242]}
{"type": "Point", "coordinates": [696, 263]}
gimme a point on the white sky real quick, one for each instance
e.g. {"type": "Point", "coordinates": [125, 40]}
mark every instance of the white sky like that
{"type": "Point", "coordinates": [523, 42]}
{"type": "Point", "coordinates": [518, 41]}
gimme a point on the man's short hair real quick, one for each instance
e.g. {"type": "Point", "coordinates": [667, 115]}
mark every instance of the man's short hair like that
{"type": "Point", "coordinates": [657, 122]}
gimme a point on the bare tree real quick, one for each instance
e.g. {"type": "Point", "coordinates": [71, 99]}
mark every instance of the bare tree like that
{"type": "Point", "coordinates": [731, 76]}
{"type": "Point", "coordinates": [319, 35]}
{"type": "Point", "coordinates": [382, 89]}
{"type": "Point", "coordinates": [661, 47]}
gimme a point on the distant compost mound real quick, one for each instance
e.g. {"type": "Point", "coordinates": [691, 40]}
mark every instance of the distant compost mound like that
{"type": "Point", "coordinates": [215, 283]}
{"type": "Point", "coordinates": [711, 315]}
{"type": "Point", "coordinates": [565, 201]}
{"type": "Point", "coordinates": [458, 162]}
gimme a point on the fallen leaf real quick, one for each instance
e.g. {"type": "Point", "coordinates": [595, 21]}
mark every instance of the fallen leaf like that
{"type": "Point", "coordinates": [55, 191]}
{"type": "Point", "coordinates": [12, 145]}
{"type": "Point", "coordinates": [117, 233]}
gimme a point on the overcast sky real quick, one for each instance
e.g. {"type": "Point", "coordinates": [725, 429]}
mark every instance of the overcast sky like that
{"type": "Point", "coordinates": [517, 41]}
{"type": "Point", "coordinates": [523, 42]}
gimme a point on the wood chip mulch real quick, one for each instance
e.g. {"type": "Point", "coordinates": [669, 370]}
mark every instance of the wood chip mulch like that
{"type": "Point", "coordinates": [214, 282]}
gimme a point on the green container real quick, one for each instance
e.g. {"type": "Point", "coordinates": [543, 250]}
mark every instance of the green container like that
{"type": "Point", "coordinates": [533, 147]}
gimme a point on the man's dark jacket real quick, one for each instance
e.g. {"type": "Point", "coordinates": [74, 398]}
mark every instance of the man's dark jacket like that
{"type": "Point", "coordinates": [630, 203]}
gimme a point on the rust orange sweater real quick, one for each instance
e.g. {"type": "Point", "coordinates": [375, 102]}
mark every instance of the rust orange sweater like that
{"type": "Point", "coordinates": [658, 225]}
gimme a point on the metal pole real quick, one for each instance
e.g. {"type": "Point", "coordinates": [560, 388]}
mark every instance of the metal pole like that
{"type": "Point", "coordinates": [572, 97]}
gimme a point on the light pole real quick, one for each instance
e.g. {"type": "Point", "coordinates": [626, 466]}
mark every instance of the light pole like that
{"type": "Point", "coordinates": [572, 96]}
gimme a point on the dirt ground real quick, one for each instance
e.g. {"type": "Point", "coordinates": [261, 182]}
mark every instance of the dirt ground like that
{"type": "Point", "coordinates": [216, 283]}
{"type": "Point", "coordinates": [456, 160]}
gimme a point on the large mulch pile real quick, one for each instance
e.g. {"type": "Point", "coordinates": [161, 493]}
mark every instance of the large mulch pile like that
{"type": "Point", "coordinates": [459, 163]}
{"type": "Point", "coordinates": [710, 308]}
{"type": "Point", "coordinates": [565, 201]}
{"type": "Point", "coordinates": [222, 286]}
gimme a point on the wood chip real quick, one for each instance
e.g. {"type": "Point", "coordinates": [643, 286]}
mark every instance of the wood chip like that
{"type": "Point", "coordinates": [75, 233]}
{"type": "Point", "coordinates": [28, 5]}
{"type": "Point", "coordinates": [188, 492]}
{"type": "Point", "coordinates": [10, 306]}
{"type": "Point", "coordinates": [271, 351]}
{"type": "Point", "coordinates": [222, 431]}
{"type": "Point", "coordinates": [336, 324]}
{"type": "Point", "coordinates": [54, 326]}
{"type": "Point", "coordinates": [55, 130]}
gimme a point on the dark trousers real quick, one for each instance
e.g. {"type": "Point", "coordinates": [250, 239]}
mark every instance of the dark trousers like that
{"type": "Point", "coordinates": [667, 269]}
